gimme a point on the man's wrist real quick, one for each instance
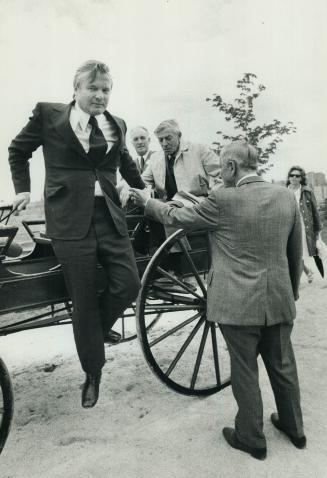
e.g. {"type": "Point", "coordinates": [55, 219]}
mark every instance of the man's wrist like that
{"type": "Point", "coordinates": [24, 194]}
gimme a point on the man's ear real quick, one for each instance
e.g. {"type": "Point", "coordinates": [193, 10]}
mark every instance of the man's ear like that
{"type": "Point", "coordinates": [233, 166]}
{"type": "Point", "coordinates": [180, 134]}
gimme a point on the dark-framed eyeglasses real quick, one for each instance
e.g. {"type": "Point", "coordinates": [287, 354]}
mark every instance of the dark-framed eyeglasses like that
{"type": "Point", "coordinates": [295, 175]}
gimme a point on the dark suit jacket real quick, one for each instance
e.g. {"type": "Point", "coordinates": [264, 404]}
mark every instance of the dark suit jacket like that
{"type": "Point", "coordinates": [69, 174]}
{"type": "Point", "coordinates": [256, 250]}
{"type": "Point", "coordinates": [311, 218]}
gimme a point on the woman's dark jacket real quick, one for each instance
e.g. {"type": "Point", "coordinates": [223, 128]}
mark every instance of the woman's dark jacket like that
{"type": "Point", "coordinates": [311, 219]}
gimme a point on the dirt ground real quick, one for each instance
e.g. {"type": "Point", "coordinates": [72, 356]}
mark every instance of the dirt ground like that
{"type": "Point", "coordinates": [140, 428]}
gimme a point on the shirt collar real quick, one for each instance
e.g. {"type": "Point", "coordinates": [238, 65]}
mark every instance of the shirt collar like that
{"type": "Point", "coordinates": [144, 156]}
{"type": "Point", "coordinates": [81, 118]}
{"type": "Point", "coordinates": [183, 146]}
{"type": "Point", "coordinates": [250, 175]}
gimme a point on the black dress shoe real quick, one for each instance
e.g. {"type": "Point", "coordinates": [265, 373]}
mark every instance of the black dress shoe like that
{"type": "Point", "coordinates": [111, 337]}
{"type": "Point", "coordinates": [232, 440]}
{"type": "Point", "coordinates": [90, 392]}
{"type": "Point", "coordinates": [299, 442]}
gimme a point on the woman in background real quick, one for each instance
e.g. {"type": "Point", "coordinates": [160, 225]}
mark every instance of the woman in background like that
{"type": "Point", "coordinates": [311, 224]}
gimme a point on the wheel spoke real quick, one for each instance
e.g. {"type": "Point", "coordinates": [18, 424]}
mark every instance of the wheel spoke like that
{"type": "Point", "coordinates": [123, 327]}
{"type": "Point", "coordinates": [153, 321]}
{"type": "Point", "coordinates": [184, 347]}
{"type": "Point", "coordinates": [200, 355]}
{"type": "Point", "coordinates": [161, 293]}
{"type": "Point", "coordinates": [174, 329]}
{"type": "Point", "coordinates": [170, 307]}
{"type": "Point", "coordinates": [179, 350]}
{"type": "Point", "coordinates": [215, 352]}
{"type": "Point", "coordinates": [194, 270]}
{"type": "Point", "coordinates": [180, 283]}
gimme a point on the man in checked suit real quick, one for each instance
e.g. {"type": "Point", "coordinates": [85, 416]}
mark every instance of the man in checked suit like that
{"type": "Point", "coordinates": [83, 145]}
{"type": "Point", "coordinates": [252, 284]}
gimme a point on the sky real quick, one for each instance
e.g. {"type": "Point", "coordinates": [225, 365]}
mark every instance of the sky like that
{"type": "Point", "coordinates": [166, 57]}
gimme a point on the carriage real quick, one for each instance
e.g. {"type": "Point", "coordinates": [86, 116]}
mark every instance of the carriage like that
{"type": "Point", "coordinates": [183, 349]}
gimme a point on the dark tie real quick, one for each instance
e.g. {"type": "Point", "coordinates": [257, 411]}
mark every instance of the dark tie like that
{"type": "Point", "coordinates": [170, 184]}
{"type": "Point", "coordinates": [98, 143]}
{"type": "Point", "coordinates": [141, 163]}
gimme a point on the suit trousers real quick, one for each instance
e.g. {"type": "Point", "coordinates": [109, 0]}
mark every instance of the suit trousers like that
{"type": "Point", "coordinates": [274, 345]}
{"type": "Point", "coordinates": [95, 312]}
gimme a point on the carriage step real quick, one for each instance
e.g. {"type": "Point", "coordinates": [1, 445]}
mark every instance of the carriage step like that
{"type": "Point", "coordinates": [61, 319]}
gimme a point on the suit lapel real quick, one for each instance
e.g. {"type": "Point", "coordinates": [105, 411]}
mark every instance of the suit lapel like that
{"type": "Point", "coordinates": [60, 120]}
{"type": "Point", "coordinates": [159, 170]}
{"type": "Point", "coordinates": [147, 159]}
{"type": "Point", "coordinates": [118, 126]}
{"type": "Point", "coordinates": [182, 148]}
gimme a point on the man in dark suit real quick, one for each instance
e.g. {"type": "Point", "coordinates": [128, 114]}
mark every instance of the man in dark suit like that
{"type": "Point", "coordinates": [83, 145]}
{"type": "Point", "coordinates": [252, 284]}
{"type": "Point", "coordinates": [140, 139]}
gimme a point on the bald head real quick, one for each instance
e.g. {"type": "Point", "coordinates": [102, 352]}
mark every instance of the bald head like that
{"type": "Point", "coordinates": [243, 153]}
{"type": "Point", "coordinates": [237, 160]}
{"type": "Point", "coordinates": [141, 139]}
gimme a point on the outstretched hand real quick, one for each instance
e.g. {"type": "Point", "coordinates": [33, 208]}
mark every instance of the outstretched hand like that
{"type": "Point", "coordinates": [140, 196]}
{"type": "Point", "coordinates": [124, 195]}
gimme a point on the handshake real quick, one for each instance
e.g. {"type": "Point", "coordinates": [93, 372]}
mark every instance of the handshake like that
{"type": "Point", "coordinates": [137, 196]}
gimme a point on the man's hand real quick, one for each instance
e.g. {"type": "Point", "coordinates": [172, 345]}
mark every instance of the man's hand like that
{"type": "Point", "coordinates": [124, 196]}
{"type": "Point", "coordinates": [21, 200]}
{"type": "Point", "coordinates": [140, 197]}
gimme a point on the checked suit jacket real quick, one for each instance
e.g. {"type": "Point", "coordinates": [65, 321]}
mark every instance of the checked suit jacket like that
{"type": "Point", "coordinates": [256, 246]}
{"type": "Point", "coordinates": [69, 174]}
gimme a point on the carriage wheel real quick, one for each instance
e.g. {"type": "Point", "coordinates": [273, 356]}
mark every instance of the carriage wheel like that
{"type": "Point", "coordinates": [6, 404]}
{"type": "Point", "coordinates": [126, 325]}
{"type": "Point", "coordinates": [182, 348]}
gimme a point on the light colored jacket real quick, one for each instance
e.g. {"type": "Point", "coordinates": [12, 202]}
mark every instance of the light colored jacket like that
{"type": "Point", "coordinates": [146, 161]}
{"type": "Point", "coordinates": [255, 236]}
{"type": "Point", "coordinates": [196, 169]}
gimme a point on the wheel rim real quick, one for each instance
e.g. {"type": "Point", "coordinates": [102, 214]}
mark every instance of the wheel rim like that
{"type": "Point", "coordinates": [6, 404]}
{"type": "Point", "coordinates": [183, 349]}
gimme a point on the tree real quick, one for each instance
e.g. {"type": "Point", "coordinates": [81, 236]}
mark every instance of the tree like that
{"type": "Point", "coordinates": [265, 137]}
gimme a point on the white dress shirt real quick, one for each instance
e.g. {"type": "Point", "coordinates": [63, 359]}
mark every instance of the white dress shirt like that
{"type": "Point", "coordinates": [79, 121]}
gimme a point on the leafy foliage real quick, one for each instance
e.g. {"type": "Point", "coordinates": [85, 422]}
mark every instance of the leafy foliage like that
{"type": "Point", "coordinates": [265, 137]}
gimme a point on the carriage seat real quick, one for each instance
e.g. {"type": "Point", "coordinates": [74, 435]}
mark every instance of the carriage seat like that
{"type": "Point", "coordinates": [42, 238]}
